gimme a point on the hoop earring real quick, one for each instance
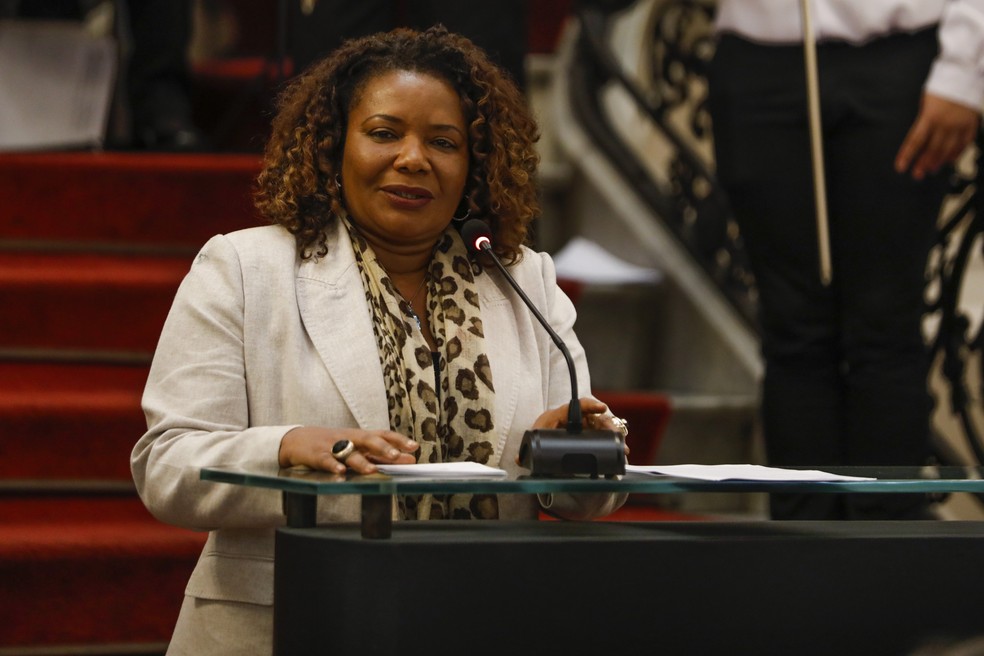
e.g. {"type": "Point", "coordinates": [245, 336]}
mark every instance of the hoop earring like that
{"type": "Point", "coordinates": [467, 202]}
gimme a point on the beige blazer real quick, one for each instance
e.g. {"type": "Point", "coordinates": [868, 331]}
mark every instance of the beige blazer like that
{"type": "Point", "coordinates": [259, 341]}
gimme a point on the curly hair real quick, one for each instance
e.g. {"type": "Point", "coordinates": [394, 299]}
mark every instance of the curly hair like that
{"type": "Point", "coordinates": [297, 186]}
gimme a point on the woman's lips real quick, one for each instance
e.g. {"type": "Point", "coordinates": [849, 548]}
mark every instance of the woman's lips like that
{"type": "Point", "coordinates": [410, 197]}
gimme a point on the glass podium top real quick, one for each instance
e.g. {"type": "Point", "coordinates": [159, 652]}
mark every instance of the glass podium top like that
{"type": "Point", "coordinates": [886, 480]}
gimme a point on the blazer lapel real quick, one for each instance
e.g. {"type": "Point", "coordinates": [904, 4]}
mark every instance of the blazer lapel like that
{"type": "Point", "coordinates": [336, 316]}
{"type": "Point", "coordinates": [503, 347]}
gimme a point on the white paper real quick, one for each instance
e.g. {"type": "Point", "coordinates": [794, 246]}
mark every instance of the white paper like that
{"type": "Point", "coordinates": [442, 470]}
{"type": "Point", "coordinates": [56, 85]}
{"type": "Point", "coordinates": [740, 473]}
{"type": "Point", "coordinates": [586, 261]}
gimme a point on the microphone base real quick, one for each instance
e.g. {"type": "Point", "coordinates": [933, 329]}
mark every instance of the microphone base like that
{"type": "Point", "coordinates": [559, 454]}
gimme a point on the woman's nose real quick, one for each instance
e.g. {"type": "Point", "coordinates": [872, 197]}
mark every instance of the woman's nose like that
{"type": "Point", "coordinates": [411, 155]}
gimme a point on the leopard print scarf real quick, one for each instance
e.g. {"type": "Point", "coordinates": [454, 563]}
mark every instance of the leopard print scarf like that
{"type": "Point", "coordinates": [456, 423]}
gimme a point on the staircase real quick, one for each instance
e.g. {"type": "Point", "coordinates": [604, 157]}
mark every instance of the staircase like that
{"type": "Point", "coordinates": [92, 249]}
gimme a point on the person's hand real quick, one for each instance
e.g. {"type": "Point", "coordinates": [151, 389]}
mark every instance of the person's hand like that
{"type": "Point", "coordinates": [941, 132]}
{"type": "Point", "coordinates": [594, 414]}
{"type": "Point", "coordinates": [557, 417]}
{"type": "Point", "coordinates": [311, 446]}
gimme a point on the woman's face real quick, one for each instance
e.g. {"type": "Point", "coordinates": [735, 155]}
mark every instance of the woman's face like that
{"type": "Point", "coordinates": [405, 160]}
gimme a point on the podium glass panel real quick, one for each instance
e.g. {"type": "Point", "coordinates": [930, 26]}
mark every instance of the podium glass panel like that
{"type": "Point", "coordinates": [301, 487]}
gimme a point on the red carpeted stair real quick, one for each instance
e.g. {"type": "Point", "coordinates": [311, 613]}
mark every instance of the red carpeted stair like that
{"type": "Point", "coordinates": [92, 249]}
{"type": "Point", "coordinates": [74, 300]}
{"type": "Point", "coordinates": [158, 201]}
{"type": "Point", "coordinates": [69, 421]}
{"type": "Point", "coordinates": [91, 571]}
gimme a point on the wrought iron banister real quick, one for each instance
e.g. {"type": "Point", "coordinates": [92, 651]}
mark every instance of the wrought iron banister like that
{"type": "Point", "coordinates": [957, 345]}
{"type": "Point", "coordinates": [693, 205]}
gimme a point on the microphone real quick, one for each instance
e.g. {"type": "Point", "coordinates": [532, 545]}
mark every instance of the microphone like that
{"type": "Point", "coordinates": [555, 452]}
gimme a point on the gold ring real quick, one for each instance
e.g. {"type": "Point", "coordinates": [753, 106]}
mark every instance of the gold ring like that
{"type": "Point", "coordinates": [621, 425]}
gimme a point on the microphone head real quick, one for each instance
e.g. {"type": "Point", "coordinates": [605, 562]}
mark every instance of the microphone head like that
{"type": "Point", "coordinates": [477, 235]}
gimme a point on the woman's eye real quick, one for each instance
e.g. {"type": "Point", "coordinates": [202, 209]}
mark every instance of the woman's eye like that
{"type": "Point", "coordinates": [446, 144]}
{"type": "Point", "coordinates": [382, 134]}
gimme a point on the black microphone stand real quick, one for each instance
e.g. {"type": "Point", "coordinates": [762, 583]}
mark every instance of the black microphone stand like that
{"type": "Point", "coordinates": [556, 452]}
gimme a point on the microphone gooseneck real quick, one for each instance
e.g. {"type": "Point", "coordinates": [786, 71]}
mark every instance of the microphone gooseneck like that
{"type": "Point", "coordinates": [478, 237]}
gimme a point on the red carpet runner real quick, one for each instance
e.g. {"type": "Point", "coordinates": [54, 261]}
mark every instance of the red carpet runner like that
{"type": "Point", "coordinates": [92, 249]}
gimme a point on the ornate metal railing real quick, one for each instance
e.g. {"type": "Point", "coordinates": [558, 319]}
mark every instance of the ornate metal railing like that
{"type": "Point", "coordinates": [693, 205]}
{"type": "Point", "coordinates": [957, 343]}
{"type": "Point", "coordinates": [689, 201]}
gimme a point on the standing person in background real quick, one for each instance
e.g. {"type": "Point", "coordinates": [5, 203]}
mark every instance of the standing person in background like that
{"type": "Point", "coordinates": [901, 89]}
{"type": "Point", "coordinates": [498, 27]}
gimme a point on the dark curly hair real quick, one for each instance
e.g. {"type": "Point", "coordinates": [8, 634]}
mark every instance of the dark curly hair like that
{"type": "Point", "coordinates": [296, 187]}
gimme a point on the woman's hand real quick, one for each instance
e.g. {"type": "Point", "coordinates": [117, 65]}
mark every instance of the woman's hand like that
{"type": "Point", "coordinates": [557, 417]}
{"type": "Point", "coordinates": [594, 415]}
{"type": "Point", "coordinates": [311, 446]}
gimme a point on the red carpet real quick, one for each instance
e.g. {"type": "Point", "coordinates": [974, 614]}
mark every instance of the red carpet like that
{"type": "Point", "coordinates": [92, 249]}
{"type": "Point", "coordinates": [99, 572]}
{"type": "Point", "coordinates": [86, 300]}
{"type": "Point", "coordinates": [159, 200]}
{"type": "Point", "coordinates": [69, 421]}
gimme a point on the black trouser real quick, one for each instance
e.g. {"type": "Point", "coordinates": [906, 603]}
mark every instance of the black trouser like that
{"type": "Point", "coordinates": [846, 365]}
{"type": "Point", "coordinates": [498, 26]}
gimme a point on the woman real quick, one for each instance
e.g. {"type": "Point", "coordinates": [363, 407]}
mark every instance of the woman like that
{"type": "Point", "coordinates": [357, 321]}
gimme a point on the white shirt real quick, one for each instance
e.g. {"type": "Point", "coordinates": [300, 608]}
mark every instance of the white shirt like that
{"type": "Point", "coordinates": [957, 73]}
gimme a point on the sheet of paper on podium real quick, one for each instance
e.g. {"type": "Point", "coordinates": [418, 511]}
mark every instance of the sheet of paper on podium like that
{"type": "Point", "coordinates": [442, 470]}
{"type": "Point", "coordinates": [740, 473]}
